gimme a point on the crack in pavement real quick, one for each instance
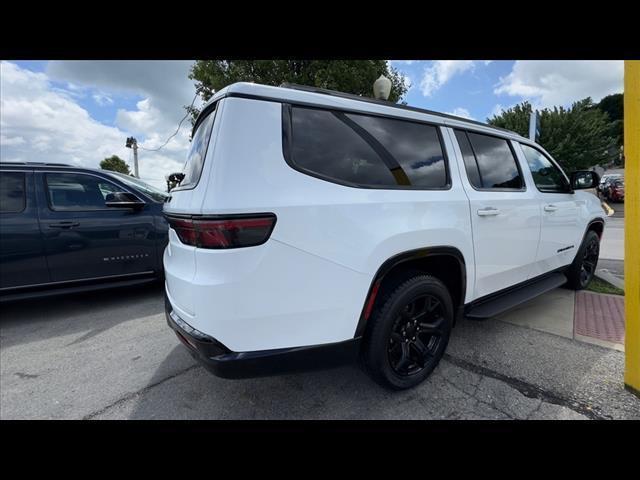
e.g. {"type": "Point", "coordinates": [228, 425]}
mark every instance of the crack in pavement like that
{"type": "Point", "coordinates": [130, 396]}
{"type": "Point", "coordinates": [529, 390]}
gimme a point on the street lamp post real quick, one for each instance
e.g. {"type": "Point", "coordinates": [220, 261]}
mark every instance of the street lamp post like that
{"type": "Point", "coordinates": [133, 143]}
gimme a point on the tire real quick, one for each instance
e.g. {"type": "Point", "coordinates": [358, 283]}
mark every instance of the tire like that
{"type": "Point", "coordinates": [581, 271]}
{"type": "Point", "coordinates": [416, 316]}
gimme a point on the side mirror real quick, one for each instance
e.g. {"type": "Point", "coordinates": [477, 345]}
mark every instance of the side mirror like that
{"type": "Point", "coordinates": [123, 200]}
{"type": "Point", "coordinates": [583, 179]}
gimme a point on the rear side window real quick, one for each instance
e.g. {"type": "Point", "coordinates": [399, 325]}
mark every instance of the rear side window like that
{"type": "Point", "coordinates": [197, 152]}
{"type": "Point", "coordinates": [12, 192]}
{"type": "Point", "coordinates": [495, 163]}
{"type": "Point", "coordinates": [364, 150]}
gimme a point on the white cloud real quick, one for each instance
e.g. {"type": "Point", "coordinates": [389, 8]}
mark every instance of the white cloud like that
{"type": "Point", "coordinates": [497, 110]}
{"type": "Point", "coordinates": [461, 112]}
{"type": "Point", "coordinates": [440, 72]}
{"type": "Point", "coordinates": [9, 141]}
{"type": "Point", "coordinates": [552, 82]}
{"type": "Point", "coordinates": [54, 128]}
{"type": "Point", "coordinates": [102, 99]}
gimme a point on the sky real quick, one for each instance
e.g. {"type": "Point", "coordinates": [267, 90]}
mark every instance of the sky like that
{"type": "Point", "coordinates": [79, 112]}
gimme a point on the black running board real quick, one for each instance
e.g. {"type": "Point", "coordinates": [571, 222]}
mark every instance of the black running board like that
{"type": "Point", "coordinates": [500, 303]}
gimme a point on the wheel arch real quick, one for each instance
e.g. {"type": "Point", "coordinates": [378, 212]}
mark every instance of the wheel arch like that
{"type": "Point", "coordinates": [597, 225]}
{"type": "Point", "coordinates": [418, 259]}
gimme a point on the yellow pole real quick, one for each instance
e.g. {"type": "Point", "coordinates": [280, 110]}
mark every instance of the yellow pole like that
{"type": "Point", "coordinates": [632, 224]}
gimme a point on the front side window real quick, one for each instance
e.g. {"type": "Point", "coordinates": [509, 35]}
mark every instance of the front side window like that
{"type": "Point", "coordinates": [74, 191]}
{"type": "Point", "coordinates": [497, 167]}
{"type": "Point", "coordinates": [365, 150]}
{"type": "Point", "coordinates": [12, 192]}
{"type": "Point", "coordinates": [154, 193]}
{"type": "Point", "coordinates": [546, 175]}
{"type": "Point", "coordinates": [197, 152]}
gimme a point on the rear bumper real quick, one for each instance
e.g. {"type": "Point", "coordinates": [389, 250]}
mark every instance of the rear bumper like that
{"type": "Point", "coordinates": [222, 362]}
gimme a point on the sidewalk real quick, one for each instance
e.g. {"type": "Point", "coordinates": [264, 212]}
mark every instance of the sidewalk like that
{"type": "Point", "coordinates": [582, 316]}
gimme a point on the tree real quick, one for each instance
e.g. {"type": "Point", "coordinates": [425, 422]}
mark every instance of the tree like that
{"type": "Point", "coordinates": [115, 164]}
{"type": "Point", "coordinates": [613, 106]}
{"type": "Point", "coordinates": [578, 137]}
{"type": "Point", "coordinates": [350, 76]}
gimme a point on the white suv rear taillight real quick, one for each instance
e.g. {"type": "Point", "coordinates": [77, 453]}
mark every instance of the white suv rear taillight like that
{"type": "Point", "coordinates": [232, 231]}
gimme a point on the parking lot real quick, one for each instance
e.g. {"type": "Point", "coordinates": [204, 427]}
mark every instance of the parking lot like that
{"type": "Point", "coordinates": [110, 355]}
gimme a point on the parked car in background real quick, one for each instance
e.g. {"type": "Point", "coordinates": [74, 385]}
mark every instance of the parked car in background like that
{"type": "Point", "coordinates": [605, 180]}
{"type": "Point", "coordinates": [314, 227]}
{"type": "Point", "coordinates": [615, 190]}
{"type": "Point", "coordinates": [68, 229]}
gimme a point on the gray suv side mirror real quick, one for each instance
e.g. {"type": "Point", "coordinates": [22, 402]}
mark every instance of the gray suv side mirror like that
{"type": "Point", "coordinates": [583, 179]}
{"type": "Point", "coordinates": [123, 200]}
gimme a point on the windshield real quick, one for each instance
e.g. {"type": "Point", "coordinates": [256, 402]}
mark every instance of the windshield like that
{"type": "Point", "coordinates": [155, 193]}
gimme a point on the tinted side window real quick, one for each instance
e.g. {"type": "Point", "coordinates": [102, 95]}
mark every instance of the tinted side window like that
{"type": "Point", "coordinates": [469, 159]}
{"type": "Point", "coordinates": [415, 146]}
{"type": "Point", "coordinates": [496, 162]}
{"type": "Point", "coordinates": [546, 176]}
{"type": "Point", "coordinates": [324, 144]}
{"type": "Point", "coordinates": [367, 150]}
{"type": "Point", "coordinates": [12, 192]}
{"type": "Point", "coordinates": [197, 152]}
{"type": "Point", "coordinates": [74, 191]}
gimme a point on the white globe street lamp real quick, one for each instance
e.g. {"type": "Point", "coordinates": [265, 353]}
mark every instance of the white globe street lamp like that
{"type": "Point", "coordinates": [382, 88]}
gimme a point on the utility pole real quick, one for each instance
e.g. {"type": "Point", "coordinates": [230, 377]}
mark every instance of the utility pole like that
{"type": "Point", "coordinates": [133, 143]}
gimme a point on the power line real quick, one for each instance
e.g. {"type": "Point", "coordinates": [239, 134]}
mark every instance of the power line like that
{"type": "Point", "coordinates": [177, 129]}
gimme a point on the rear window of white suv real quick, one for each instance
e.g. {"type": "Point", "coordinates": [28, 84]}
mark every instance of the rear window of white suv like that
{"type": "Point", "coordinates": [366, 150]}
{"type": "Point", "coordinates": [197, 152]}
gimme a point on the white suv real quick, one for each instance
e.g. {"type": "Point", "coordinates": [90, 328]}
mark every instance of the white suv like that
{"type": "Point", "coordinates": [314, 227]}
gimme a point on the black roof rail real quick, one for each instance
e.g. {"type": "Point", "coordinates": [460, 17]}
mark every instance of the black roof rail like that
{"type": "Point", "coordinates": [351, 96]}
{"type": "Point", "coordinates": [37, 163]}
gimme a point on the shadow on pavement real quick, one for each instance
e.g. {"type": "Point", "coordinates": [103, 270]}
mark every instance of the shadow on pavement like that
{"type": "Point", "coordinates": [197, 394]}
{"type": "Point", "coordinates": [39, 319]}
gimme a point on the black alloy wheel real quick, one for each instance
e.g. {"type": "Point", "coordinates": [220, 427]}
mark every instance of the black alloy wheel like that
{"type": "Point", "coordinates": [416, 335]}
{"type": "Point", "coordinates": [408, 331]}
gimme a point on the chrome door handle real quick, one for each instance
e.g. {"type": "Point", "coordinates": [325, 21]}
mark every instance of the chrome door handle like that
{"type": "Point", "coordinates": [486, 212]}
{"type": "Point", "coordinates": [550, 208]}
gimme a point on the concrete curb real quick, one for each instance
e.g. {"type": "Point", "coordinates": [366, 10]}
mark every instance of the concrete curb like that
{"type": "Point", "coordinates": [605, 205]}
{"type": "Point", "coordinates": [607, 276]}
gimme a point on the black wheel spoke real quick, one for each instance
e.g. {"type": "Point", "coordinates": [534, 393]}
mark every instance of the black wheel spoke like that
{"type": "Point", "coordinates": [421, 350]}
{"type": "Point", "coordinates": [432, 304]}
{"type": "Point", "coordinates": [416, 334]}
{"type": "Point", "coordinates": [405, 358]}
{"type": "Point", "coordinates": [434, 327]}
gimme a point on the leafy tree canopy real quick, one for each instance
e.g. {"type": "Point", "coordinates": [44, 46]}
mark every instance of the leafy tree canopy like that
{"type": "Point", "coordinates": [578, 137]}
{"type": "Point", "coordinates": [350, 76]}
{"type": "Point", "coordinates": [115, 164]}
{"type": "Point", "coordinates": [613, 106]}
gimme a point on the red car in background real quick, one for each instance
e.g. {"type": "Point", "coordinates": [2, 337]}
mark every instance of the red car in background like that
{"type": "Point", "coordinates": [615, 190]}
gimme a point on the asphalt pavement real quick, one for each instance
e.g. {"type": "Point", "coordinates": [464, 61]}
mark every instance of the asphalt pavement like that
{"type": "Point", "coordinates": [110, 355]}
